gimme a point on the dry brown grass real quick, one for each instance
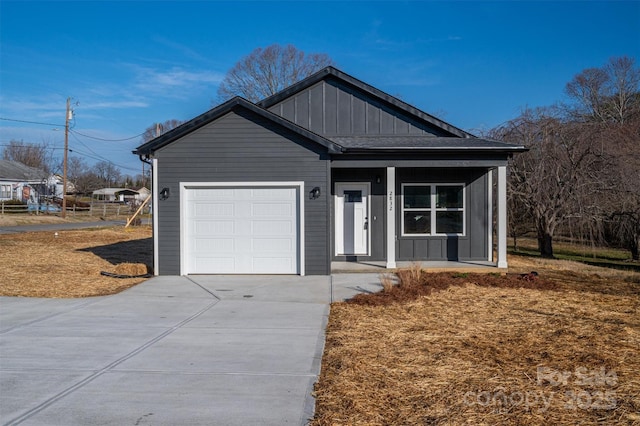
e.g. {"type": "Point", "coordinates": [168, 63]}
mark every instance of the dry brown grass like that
{"type": "Point", "coordinates": [469, 350]}
{"type": "Point", "coordinates": [41, 264]}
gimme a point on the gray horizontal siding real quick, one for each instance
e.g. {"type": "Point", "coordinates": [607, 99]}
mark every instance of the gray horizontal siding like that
{"type": "Point", "coordinates": [332, 108]}
{"type": "Point", "coordinates": [242, 147]}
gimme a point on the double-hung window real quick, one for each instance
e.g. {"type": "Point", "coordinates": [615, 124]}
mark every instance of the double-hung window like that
{"type": "Point", "coordinates": [433, 209]}
{"type": "Point", "coordinates": [5, 191]}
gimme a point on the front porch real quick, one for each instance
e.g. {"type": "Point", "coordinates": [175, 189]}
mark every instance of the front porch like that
{"type": "Point", "coordinates": [383, 236]}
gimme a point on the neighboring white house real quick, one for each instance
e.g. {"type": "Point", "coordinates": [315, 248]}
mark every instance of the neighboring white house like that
{"type": "Point", "coordinates": [20, 182]}
{"type": "Point", "coordinates": [55, 183]}
{"type": "Point", "coordinates": [119, 195]}
{"type": "Point", "coordinates": [143, 194]}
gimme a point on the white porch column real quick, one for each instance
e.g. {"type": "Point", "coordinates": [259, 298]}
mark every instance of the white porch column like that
{"type": "Point", "coordinates": [502, 217]}
{"type": "Point", "coordinates": [490, 215]}
{"type": "Point", "coordinates": [391, 217]}
{"type": "Point", "coordinates": [154, 214]}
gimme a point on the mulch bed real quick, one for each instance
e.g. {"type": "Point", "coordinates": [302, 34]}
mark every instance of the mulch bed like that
{"type": "Point", "coordinates": [411, 284]}
{"type": "Point", "coordinates": [451, 349]}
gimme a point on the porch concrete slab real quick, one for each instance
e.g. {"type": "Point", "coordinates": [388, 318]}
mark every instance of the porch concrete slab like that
{"type": "Point", "coordinates": [430, 266]}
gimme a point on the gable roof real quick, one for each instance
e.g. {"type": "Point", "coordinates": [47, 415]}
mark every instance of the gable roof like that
{"type": "Point", "coordinates": [13, 170]}
{"type": "Point", "coordinates": [219, 111]}
{"type": "Point", "coordinates": [392, 101]}
{"type": "Point", "coordinates": [459, 141]}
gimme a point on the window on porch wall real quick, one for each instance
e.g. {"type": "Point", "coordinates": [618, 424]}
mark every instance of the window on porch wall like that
{"type": "Point", "coordinates": [433, 209]}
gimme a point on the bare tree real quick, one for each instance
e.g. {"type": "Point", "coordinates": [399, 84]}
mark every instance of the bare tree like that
{"type": "Point", "coordinates": [156, 129]}
{"type": "Point", "coordinates": [83, 178]}
{"type": "Point", "coordinates": [548, 181]}
{"type": "Point", "coordinates": [39, 156]}
{"type": "Point", "coordinates": [606, 94]}
{"type": "Point", "coordinates": [622, 201]}
{"type": "Point", "coordinates": [607, 102]}
{"type": "Point", "coordinates": [107, 172]}
{"type": "Point", "coordinates": [266, 71]}
{"type": "Point", "coordinates": [582, 173]}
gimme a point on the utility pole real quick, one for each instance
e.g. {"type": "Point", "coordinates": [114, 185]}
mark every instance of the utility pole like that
{"type": "Point", "coordinates": [64, 163]}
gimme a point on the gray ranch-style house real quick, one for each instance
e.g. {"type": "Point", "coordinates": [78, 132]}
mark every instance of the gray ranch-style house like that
{"type": "Point", "coordinates": [328, 170]}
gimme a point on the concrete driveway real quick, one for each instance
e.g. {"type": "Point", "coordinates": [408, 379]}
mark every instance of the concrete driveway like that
{"type": "Point", "coordinates": [201, 350]}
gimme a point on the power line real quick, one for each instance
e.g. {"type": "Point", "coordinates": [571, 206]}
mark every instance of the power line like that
{"type": "Point", "coordinates": [107, 140]}
{"type": "Point", "coordinates": [95, 155]}
{"type": "Point", "coordinates": [73, 131]}
{"type": "Point", "coordinates": [30, 122]}
{"type": "Point", "coordinates": [27, 145]}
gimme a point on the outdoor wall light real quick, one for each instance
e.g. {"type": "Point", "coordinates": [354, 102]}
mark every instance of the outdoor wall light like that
{"type": "Point", "coordinates": [164, 194]}
{"type": "Point", "coordinates": [378, 179]}
{"type": "Point", "coordinates": [314, 193]}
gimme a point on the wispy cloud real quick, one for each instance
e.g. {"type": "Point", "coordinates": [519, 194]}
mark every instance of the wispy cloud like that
{"type": "Point", "coordinates": [50, 107]}
{"type": "Point", "coordinates": [118, 104]}
{"type": "Point", "coordinates": [180, 48]}
{"type": "Point", "coordinates": [173, 82]}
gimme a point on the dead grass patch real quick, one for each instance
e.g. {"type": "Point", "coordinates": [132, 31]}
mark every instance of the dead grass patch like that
{"type": "Point", "coordinates": [484, 351]}
{"type": "Point", "coordinates": [41, 264]}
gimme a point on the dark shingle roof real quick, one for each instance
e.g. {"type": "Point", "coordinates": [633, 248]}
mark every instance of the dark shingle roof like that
{"type": "Point", "coordinates": [419, 142]}
{"type": "Point", "coordinates": [13, 170]}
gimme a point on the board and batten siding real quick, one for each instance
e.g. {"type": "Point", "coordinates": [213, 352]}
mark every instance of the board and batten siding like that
{"type": "Point", "coordinates": [332, 108]}
{"type": "Point", "coordinates": [243, 147]}
{"type": "Point", "coordinates": [469, 247]}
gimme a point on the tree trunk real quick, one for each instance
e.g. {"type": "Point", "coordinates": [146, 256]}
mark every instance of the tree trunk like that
{"type": "Point", "coordinates": [545, 244]}
{"type": "Point", "coordinates": [634, 248]}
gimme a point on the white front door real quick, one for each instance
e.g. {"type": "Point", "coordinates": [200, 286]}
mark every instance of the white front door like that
{"type": "Point", "coordinates": [352, 218]}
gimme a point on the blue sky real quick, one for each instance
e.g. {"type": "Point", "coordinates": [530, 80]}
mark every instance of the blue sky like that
{"type": "Point", "coordinates": [129, 64]}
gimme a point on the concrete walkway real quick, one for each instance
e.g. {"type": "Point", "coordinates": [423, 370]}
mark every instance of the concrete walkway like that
{"type": "Point", "coordinates": [203, 350]}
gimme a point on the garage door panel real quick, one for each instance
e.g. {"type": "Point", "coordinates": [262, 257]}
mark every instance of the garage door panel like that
{"type": "Point", "coordinates": [214, 227]}
{"type": "Point", "coordinates": [224, 265]}
{"type": "Point", "coordinates": [241, 230]}
{"type": "Point", "coordinates": [272, 227]}
{"type": "Point", "coordinates": [272, 209]}
{"type": "Point", "coordinates": [272, 265]}
{"type": "Point", "coordinates": [271, 244]}
{"type": "Point", "coordinates": [214, 245]}
{"type": "Point", "coordinates": [208, 209]}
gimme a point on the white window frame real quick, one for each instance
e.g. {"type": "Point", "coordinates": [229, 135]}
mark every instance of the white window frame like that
{"type": "Point", "coordinates": [433, 209]}
{"type": "Point", "coordinates": [6, 191]}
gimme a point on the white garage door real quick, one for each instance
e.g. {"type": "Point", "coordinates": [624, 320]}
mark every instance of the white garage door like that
{"type": "Point", "coordinates": [252, 230]}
